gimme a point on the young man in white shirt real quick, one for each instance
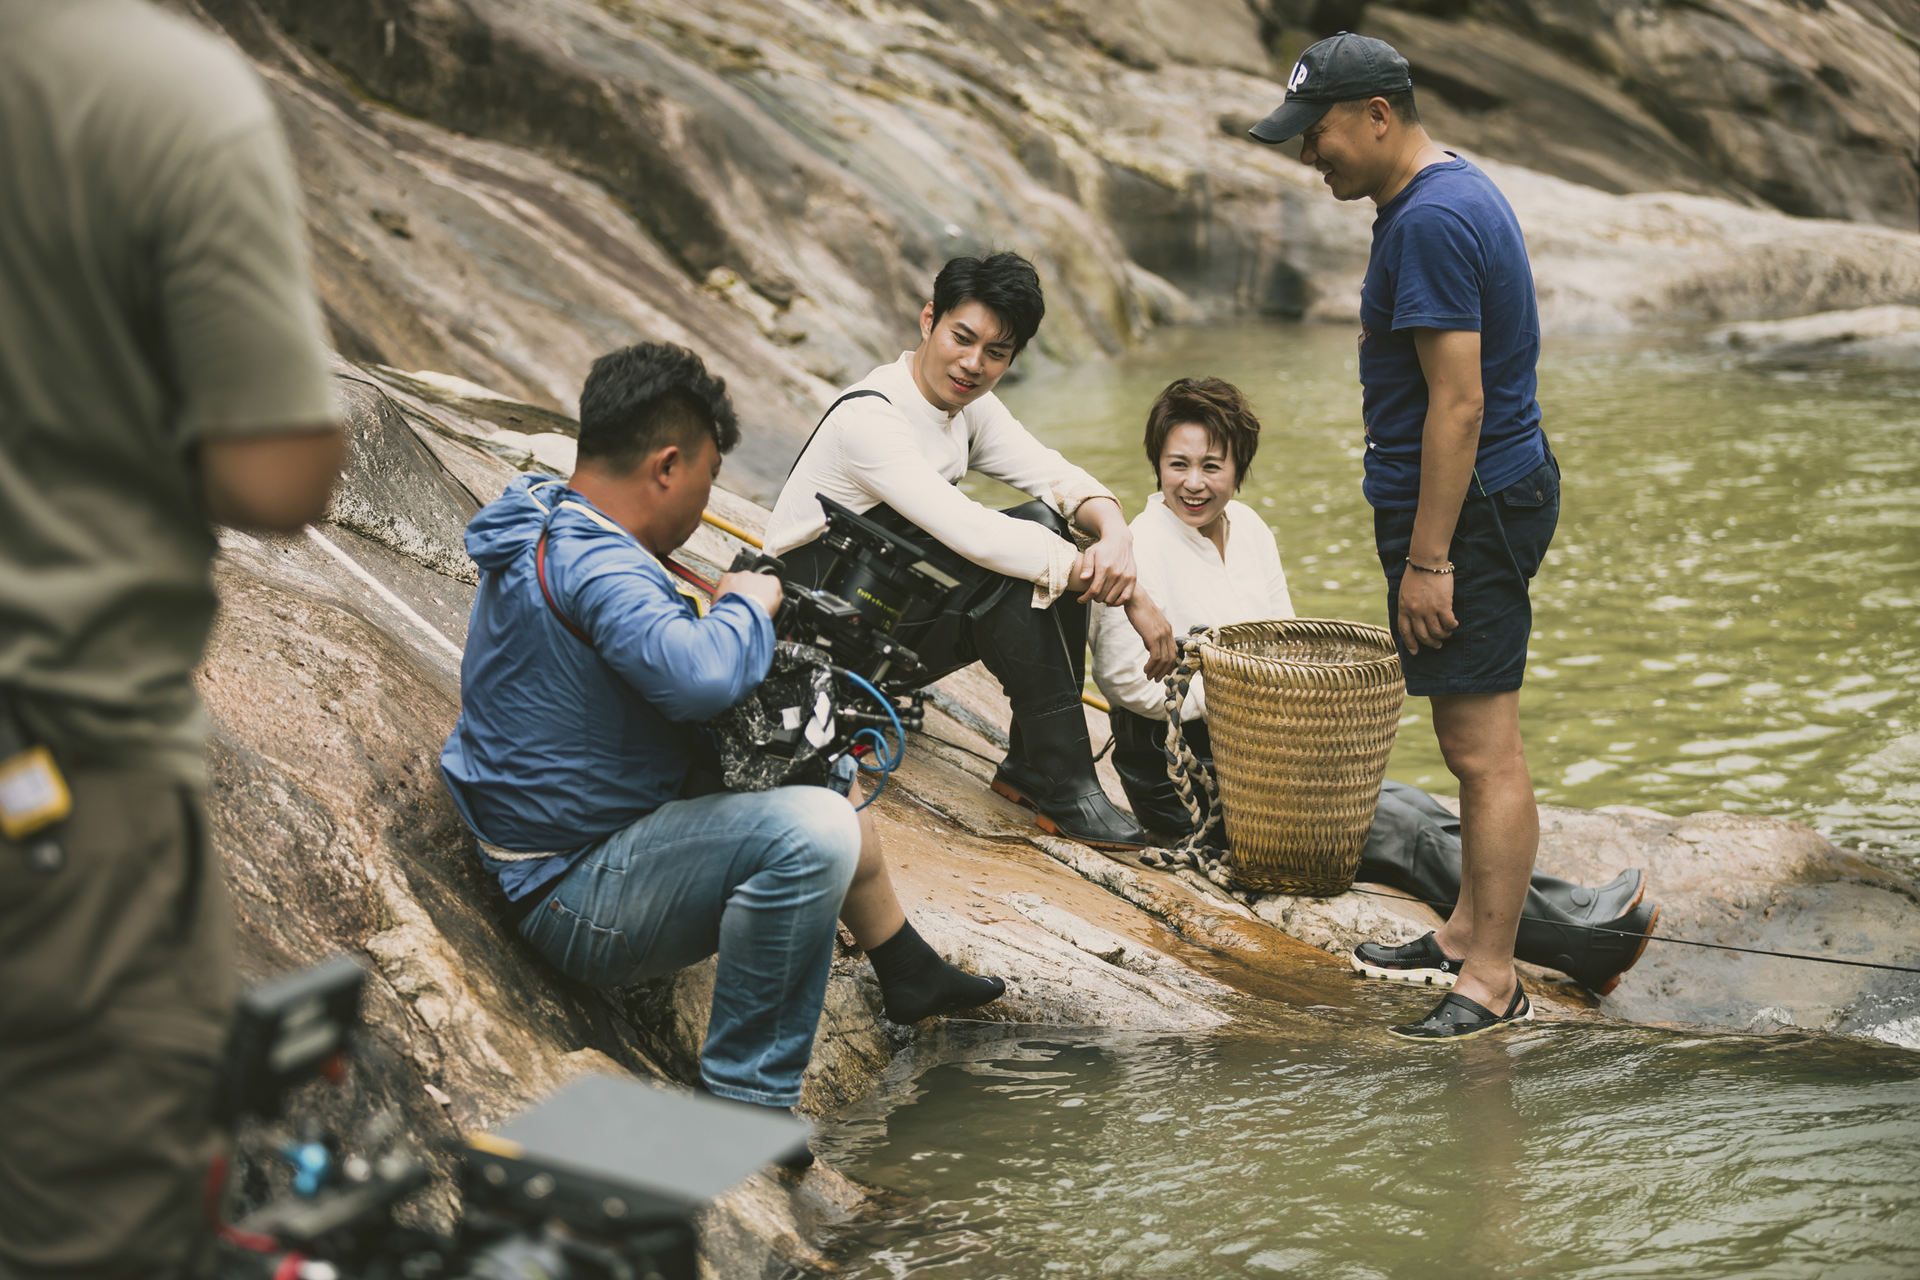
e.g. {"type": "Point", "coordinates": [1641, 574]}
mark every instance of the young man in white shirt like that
{"type": "Point", "coordinates": [1210, 560]}
{"type": "Point", "coordinates": [895, 446]}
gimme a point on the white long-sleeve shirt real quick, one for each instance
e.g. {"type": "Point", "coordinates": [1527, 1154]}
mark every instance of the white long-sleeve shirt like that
{"type": "Point", "coordinates": [909, 454]}
{"type": "Point", "coordinates": [1194, 585]}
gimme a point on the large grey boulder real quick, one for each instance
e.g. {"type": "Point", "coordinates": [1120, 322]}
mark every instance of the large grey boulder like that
{"type": "Point", "coordinates": [1811, 108]}
{"type": "Point", "coordinates": [1871, 336]}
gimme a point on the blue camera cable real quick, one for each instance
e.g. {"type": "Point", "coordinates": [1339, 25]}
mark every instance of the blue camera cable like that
{"type": "Point", "coordinates": [889, 757]}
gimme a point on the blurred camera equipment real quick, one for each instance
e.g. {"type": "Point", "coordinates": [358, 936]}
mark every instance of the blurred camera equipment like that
{"type": "Point", "coordinates": [600, 1182]}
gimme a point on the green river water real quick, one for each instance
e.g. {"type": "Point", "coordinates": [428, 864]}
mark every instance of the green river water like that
{"type": "Point", "coordinates": [1727, 620]}
{"type": "Point", "coordinates": [1315, 1146]}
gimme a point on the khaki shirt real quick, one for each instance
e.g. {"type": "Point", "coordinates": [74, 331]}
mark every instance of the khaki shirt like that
{"type": "Point", "coordinates": [154, 291]}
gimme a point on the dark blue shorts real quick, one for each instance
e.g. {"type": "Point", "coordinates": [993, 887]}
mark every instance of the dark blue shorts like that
{"type": "Point", "coordinates": [1497, 548]}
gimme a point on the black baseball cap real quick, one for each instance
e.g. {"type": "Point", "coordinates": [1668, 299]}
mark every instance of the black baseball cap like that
{"type": "Point", "coordinates": [1342, 68]}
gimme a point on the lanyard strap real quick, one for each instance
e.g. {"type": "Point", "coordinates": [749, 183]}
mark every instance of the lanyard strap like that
{"type": "Point", "coordinates": [540, 572]}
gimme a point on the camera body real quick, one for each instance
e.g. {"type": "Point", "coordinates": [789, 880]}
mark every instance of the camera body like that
{"type": "Point", "coordinates": [873, 580]}
{"type": "Point", "coordinates": [838, 670]}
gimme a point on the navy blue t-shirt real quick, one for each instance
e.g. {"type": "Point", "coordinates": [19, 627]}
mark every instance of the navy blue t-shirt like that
{"type": "Point", "coordinates": [1447, 254]}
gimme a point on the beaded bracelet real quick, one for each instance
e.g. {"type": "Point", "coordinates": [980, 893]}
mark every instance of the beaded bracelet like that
{"type": "Point", "coordinates": [1424, 569]}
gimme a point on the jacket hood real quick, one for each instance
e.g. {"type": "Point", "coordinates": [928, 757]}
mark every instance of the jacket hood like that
{"type": "Point", "coordinates": [510, 525]}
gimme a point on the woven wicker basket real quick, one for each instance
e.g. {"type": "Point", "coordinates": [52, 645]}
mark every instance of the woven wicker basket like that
{"type": "Point", "coordinates": [1302, 713]}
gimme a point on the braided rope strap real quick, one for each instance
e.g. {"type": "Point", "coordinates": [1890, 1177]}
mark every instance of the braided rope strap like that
{"type": "Point", "coordinates": [1188, 774]}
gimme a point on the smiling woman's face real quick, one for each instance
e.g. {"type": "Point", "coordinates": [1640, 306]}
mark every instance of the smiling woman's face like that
{"type": "Point", "coordinates": [1197, 476]}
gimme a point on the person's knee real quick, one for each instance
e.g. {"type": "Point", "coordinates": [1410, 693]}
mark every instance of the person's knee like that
{"type": "Point", "coordinates": [871, 861]}
{"type": "Point", "coordinates": [823, 836]}
{"type": "Point", "coordinates": [1482, 757]}
{"type": "Point", "coordinates": [1479, 736]}
{"type": "Point", "coordinates": [1042, 513]}
{"type": "Point", "coordinates": [1468, 755]}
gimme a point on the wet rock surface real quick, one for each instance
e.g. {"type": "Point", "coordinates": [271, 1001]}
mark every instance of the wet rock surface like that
{"type": "Point", "coordinates": [333, 680]}
{"type": "Point", "coordinates": [1754, 884]}
{"type": "Point", "coordinates": [1884, 336]}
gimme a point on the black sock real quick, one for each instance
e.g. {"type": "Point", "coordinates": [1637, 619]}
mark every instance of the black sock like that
{"type": "Point", "coordinates": [916, 983]}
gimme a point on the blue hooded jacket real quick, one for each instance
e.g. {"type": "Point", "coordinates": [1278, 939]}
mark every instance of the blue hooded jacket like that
{"type": "Point", "coordinates": [560, 745]}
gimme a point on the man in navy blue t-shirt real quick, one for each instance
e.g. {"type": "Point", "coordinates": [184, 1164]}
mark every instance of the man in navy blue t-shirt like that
{"type": "Point", "coordinates": [1464, 489]}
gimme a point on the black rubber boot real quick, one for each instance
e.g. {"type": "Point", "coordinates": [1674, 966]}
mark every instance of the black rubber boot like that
{"type": "Point", "coordinates": [1015, 778]}
{"type": "Point", "coordinates": [916, 983]}
{"type": "Point", "coordinates": [1596, 958]}
{"type": "Point", "coordinates": [1414, 845]}
{"type": "Point", "coordinates": [1140, 758]}
{"type": "Point", "coordinates": [1049, 764]}
{"type": "Point", "coordinates": [1065, 790]}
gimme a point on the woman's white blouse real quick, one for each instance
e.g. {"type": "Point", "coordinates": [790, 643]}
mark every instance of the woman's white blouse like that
{"type": "Point", "coordinates": [1194, 585]}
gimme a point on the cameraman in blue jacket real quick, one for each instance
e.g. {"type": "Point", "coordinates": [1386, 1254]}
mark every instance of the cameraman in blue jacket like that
{"type": "Point", "coordinates": [586, 677]}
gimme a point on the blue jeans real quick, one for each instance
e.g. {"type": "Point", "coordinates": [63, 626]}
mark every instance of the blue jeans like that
{"type": "Point", "coordinates": [757, 877]}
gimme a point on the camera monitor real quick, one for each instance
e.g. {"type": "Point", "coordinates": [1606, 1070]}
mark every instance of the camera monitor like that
{"type": "Point", "coordinates": [284, 1033]}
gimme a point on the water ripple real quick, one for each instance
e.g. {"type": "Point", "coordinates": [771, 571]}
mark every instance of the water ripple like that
{"type": "Point", "coordinates": [1610, 1152]}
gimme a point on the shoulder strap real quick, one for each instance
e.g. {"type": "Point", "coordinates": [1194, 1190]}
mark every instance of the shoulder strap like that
{"type": "Point", "coordinates": [851, 395]}
{"type": "Point", "coordinates": [540, 572]}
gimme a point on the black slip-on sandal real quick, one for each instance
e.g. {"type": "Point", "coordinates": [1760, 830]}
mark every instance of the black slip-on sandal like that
{"type": "Point", "coordinates": [1458, 1018]}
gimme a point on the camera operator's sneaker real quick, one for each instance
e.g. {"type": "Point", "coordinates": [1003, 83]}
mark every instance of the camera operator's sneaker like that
{"type": "Point", "coordinates": [916, 982]}
{"type": "Point", "coordinates": [1420, 961]}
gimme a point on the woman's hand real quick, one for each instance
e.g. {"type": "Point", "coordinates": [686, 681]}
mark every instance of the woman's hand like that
{"type": "Point", "coordinates": [1162, 652]}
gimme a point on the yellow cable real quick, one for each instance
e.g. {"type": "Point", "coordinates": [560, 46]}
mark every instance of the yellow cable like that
{"type": "Point", "coordinates": [726, 526]}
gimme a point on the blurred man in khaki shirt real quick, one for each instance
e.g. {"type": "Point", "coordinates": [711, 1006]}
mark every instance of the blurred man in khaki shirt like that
{"type": "Point", "coordinates": [162, 368]}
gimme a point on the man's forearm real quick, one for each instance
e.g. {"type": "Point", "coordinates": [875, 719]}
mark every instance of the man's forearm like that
{"type": "Point", "coordinates": [1450, 436]}
{"type": "Point", "coordinates": [1100, 516]}
{"type": "Point", "coordinates": [1448, 446]}
{"type": "Point", "coordinates": [274, 482]}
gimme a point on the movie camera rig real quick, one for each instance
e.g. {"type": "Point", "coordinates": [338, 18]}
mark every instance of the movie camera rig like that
{"type": "Point", "coordinates": [840, 677]}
